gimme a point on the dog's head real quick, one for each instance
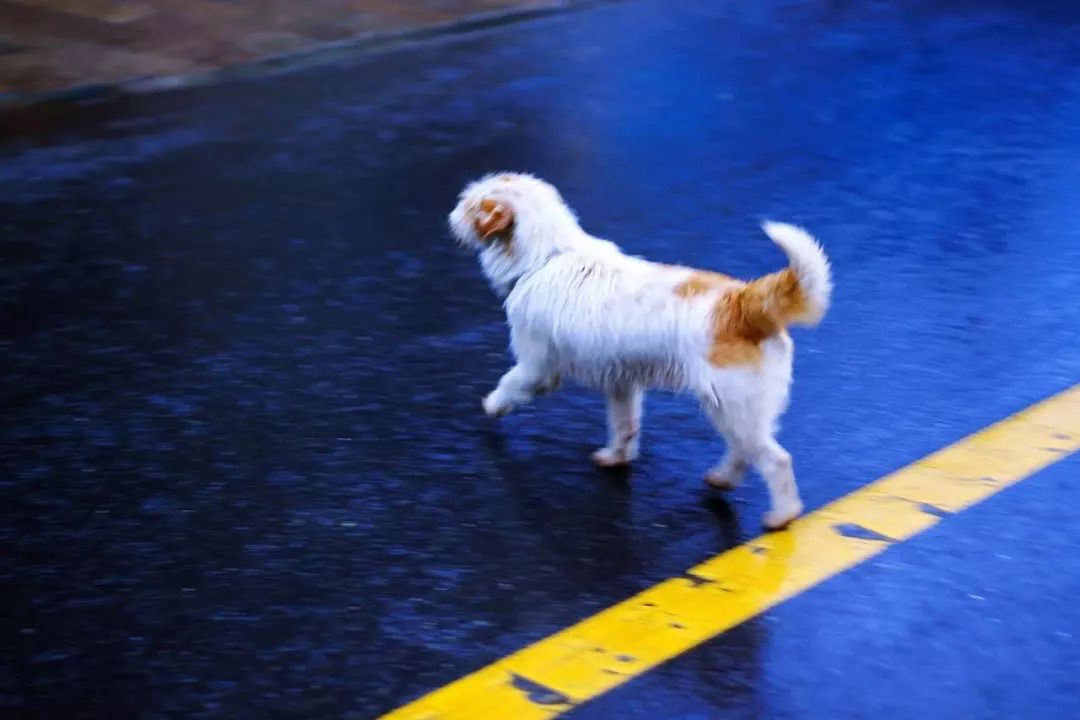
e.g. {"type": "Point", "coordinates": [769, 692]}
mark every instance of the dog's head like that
{"type": "Point", "coordinates": [505, 207]}
{"type": "Point", "coordinates": [516, 222]}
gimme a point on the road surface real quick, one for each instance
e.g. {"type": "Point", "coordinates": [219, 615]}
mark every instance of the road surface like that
{"type": "Point", "coordinates": [245, 471]}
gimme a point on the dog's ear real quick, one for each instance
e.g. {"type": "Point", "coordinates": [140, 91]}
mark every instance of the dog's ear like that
{"type": "Point", "coordinates": [493, 218]}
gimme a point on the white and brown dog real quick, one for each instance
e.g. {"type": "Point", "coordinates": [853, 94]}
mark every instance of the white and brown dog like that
{"type": "Point", "coordinates": [579, 307]}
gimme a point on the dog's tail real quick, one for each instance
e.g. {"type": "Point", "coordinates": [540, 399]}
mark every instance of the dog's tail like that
{"type": "Point", "coordinates": [797, 295]}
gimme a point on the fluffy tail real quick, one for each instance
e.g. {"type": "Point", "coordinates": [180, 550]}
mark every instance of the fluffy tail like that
{"type": "Point", "coordinates": [797, 295]}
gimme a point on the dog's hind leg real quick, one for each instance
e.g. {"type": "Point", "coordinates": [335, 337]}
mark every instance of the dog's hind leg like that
{"type": "Point", "coordinates": [730, 471]}
{"type": "Point", "coordinates": [774, 463]}
{"type": "Point", "coordinates": [624, 427]}
{"type": "Point", "coordinates": [749, 433]}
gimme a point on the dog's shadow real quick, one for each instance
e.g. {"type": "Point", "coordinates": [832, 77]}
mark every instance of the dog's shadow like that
{"type": "Point", "coordinates": [727, 520]}
{"type": "Point", "coordinates": [571, 509]}
{"type": "Point", "coordinates": [566, 483]}
{"type": "Point", "coordinates": [502, 455]}
{"type": "Point", "coordinates": [618, 476]}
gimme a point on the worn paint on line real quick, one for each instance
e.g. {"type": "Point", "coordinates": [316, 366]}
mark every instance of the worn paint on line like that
{"type": "Point", "coordinates": [626, 640]}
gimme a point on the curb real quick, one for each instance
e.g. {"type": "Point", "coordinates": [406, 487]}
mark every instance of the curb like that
{"type": "Point", "coordinates": [282, 63]}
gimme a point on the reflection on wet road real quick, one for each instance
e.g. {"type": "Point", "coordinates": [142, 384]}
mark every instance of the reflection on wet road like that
{"type": "Point", "coordinates": [562, 672]}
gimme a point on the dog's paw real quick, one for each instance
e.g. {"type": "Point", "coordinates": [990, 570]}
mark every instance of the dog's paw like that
{"type": "Point", "coordinates": [780, 518]}
{"type": "Point", "coordinates": [493, 408]}
{"type": "Point", "coordinates": [611, 457]}
{"type": "Point", "coordinates": [723, 478]}
{"type": "Point", "coordinates": [551, 385]}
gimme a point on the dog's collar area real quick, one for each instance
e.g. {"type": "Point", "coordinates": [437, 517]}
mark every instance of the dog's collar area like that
{"type": "Point", "coordinates": [509, 285]}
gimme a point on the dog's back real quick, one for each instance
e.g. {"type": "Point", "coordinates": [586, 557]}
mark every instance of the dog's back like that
{"type": "Point", "coordinates": [608, 317]}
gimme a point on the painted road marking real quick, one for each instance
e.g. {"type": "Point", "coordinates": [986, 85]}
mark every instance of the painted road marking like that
{"type": "Point", "coordinates": [552, 676]}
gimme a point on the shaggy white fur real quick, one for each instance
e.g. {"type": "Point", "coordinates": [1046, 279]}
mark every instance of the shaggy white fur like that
{"type": "Point", "coordinates": [578, 307]}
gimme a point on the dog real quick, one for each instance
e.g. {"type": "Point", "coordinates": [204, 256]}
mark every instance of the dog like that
{"type": "Point", "coordinates": [579, 307]}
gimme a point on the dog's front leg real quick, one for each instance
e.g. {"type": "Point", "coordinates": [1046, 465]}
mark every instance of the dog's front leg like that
{"type": "Point", "coordinates": [519, 385]}
{"type": "Point", "coordinates": [624, 427]}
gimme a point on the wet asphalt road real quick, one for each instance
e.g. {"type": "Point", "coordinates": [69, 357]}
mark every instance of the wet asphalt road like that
{"type": "Point", "coordinates": [245, 472]}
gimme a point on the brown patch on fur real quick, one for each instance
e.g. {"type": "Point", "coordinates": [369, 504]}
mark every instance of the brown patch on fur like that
{"type": "Point", "coordinates": [702, 282]}
{"type": "Point", "coordinates": [746, 317]}
{"type": "Point", "coordinates": [784, 298]}
{"type": "Point", "coordinates": [725, 353]}
{"type": "Point", "coordinates": [493, 218]}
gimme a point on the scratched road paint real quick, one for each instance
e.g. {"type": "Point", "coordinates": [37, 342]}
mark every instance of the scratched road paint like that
{"type": "Point", "coordinates": [554, 675]}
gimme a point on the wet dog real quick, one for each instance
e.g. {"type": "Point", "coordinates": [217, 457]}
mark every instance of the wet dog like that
{"type": "Point", "coordinates": [580, 308]}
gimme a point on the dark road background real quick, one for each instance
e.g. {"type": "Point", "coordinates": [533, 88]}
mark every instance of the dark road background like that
{"type": "Point", "coordinates": [244, 468]}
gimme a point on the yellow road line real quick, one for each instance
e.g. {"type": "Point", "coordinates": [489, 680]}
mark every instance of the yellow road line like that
{"type": "Point", "coordinates": [553, 675]}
